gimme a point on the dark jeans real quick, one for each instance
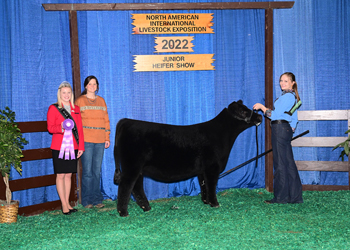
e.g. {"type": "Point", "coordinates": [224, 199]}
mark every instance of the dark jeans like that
{"type": "Point", "coordinates": [90, 181]}
{"type": "Point", "coordinates": [287, 185]}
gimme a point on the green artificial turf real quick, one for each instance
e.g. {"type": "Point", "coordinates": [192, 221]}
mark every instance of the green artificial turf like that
{"type": "Point", "coordinates": [243, 221]}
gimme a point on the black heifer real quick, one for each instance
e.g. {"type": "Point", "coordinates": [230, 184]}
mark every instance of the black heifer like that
{"type": "Point", "coordinates": [170, 153]}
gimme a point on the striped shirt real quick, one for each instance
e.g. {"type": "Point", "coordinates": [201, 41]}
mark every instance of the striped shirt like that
{"type": "Point", "coordinates": [95, 119]}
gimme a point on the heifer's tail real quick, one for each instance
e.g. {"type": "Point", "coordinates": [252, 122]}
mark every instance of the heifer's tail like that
{"type": "Point", "coordinates": [117, 172]}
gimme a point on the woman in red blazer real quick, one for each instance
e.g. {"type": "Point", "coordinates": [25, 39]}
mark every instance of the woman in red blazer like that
{"type": "Point", "coordinates": [63, 168]}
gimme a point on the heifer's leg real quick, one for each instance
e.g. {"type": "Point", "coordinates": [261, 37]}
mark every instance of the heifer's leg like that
{"type": "Point", "coordinates": [212, 180]}
{"type": "Point", "coordinates": [204, 191]}
{"type": "Point", "coordinates": [124, 192]}
{"type": "Point", "coordinates": [139, 194]}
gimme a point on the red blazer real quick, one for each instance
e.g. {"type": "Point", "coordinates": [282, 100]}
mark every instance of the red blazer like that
{"type": "Point", "coordinates": [54, 120]}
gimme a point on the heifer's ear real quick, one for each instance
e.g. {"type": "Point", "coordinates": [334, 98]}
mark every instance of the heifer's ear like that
{"type": "Point", "coordinates": [233, 106]}
{"type": "Point", "coordinates": [240, 101]}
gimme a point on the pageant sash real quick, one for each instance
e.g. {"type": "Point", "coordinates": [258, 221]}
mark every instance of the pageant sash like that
{"type": "Point", "coordinates": [66, 115]}
{"type": "Point", "coordinates": [67, 146]}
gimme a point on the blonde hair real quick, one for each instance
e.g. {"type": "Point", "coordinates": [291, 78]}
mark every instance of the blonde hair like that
{"type": "Point", "coordinates": [295, 86]}
{"type": "Point", "coordinates": [64, 84]}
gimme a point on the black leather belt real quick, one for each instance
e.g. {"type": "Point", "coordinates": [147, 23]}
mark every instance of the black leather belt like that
{"type": "Point", "coordinates": [279, 121]}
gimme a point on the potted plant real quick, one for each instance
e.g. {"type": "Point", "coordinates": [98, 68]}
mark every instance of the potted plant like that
{"type": "Point", "coordinates": [11, 144]}
{"type": "Point", "coordinates": [344, 144]}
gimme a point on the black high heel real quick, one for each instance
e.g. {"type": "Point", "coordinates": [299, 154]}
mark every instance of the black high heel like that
{"type": "Point", "coordinates": [68, 213]}
{"type": "Point", "coordinates": [73, 210]}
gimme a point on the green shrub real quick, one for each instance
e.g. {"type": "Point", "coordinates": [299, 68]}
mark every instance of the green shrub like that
{"type": "Point", "coordinates": [11, 144]}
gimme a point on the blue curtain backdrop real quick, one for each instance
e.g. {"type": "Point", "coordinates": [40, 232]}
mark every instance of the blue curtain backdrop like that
{"type": "Point", "coordinates": [311, 40]}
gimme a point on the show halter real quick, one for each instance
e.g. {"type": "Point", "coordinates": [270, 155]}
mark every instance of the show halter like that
{"type": "Point", "coordinates": [67, 146]}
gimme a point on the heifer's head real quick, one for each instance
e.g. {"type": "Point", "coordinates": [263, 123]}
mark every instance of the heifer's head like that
{"type": "Point", "coordinates": [241, 112]}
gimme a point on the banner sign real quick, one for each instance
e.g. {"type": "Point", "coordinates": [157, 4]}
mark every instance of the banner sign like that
{"type": "Point", "coordinates": [173, 62]}
{"type": "Point", "coordinates": [174, 44]}
{"type": "Point", "coordinates": [178, 23]}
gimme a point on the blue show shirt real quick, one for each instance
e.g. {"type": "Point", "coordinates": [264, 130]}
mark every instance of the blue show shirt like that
{"type": "Point", "coordinates": [282, 104]}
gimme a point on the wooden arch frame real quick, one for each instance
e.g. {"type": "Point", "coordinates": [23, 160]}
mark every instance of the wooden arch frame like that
{"type": "Point", "coordinates": [268, 6]}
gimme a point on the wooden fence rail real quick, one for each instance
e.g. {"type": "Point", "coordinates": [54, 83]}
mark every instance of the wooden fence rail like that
{"type": "Point", "coordinates": [39, 181]}
{"type": "Point", "coordinates": [339, 166]}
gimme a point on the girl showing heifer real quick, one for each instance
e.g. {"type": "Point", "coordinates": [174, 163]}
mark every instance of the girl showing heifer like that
{"type": "Point", "coordinates": [287, 184]}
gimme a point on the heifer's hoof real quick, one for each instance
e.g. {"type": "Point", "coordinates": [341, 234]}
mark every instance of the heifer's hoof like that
{"type": "Point", "coordinates": [205, 202]}
{"type": "Point", "coordinates": [146, 209]}
{"type": "Point", "coordinates": [123, 214]}
{"type": "Point", "coordinates": [214, 205]}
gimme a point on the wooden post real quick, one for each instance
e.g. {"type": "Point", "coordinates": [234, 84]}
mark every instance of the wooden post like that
{"type": "Point", "coordinates": [268, 95]}
{"type": "Point", "coordinates": [74, 44]}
